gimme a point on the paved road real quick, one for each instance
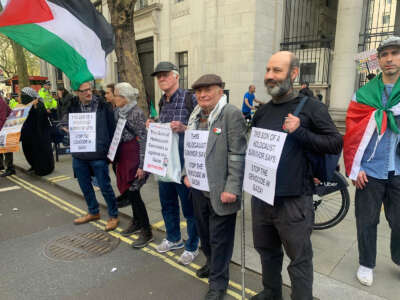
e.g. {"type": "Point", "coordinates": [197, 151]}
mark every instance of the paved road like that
{"type": "Point", "coordinates": [33, 214]}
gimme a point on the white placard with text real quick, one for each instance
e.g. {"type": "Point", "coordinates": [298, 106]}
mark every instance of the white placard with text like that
{"type": "Point", "coordinates": [262, 158]}
{"type": "Point", "coordinates": [159, 138]}
{"type": "Point", "coordinates": [82, 132]}
{"type": "Point", "coordinates": [116, 139]}
{"type": "Point", "coordinates": [195, 158]}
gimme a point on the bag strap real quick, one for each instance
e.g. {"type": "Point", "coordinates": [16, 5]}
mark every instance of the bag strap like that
{"type": "Point", "coordinates": [300, 106]}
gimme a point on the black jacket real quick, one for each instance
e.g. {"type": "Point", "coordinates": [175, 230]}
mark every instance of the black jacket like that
{"type": "Point", "coordinates": [306, 92]}
{"type": "Point", "coordinates": [317, 133]}
{"type": "Point", "coordinates": [105, 127]}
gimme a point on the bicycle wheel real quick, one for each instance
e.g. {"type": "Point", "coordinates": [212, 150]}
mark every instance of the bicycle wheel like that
{"type": "Point", "coordinates": [331, 208]}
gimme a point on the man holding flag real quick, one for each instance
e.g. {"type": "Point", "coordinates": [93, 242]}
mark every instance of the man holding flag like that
{"type": "Point", "coordinates": [372, 157]}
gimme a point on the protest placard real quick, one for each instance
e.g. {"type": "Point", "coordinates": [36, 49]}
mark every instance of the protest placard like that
{"type": "Point", "coordinates": [116, 139]}
{"type": "Point", "coordinates": [195, 158]}
{"type": "Point", "coordinates": [159, 138]}
{"type": "Point", "coordinates": [262, 158]}
{"type": "Point", "coordinates": [367, 61]}
{"type": "Point", "coordinates": [11, 132]}
{"type": "Point", "coordinates": [82, 132]}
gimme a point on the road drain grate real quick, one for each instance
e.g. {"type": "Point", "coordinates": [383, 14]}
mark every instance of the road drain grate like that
{"type": "Point", "coordinates": [81, 245]}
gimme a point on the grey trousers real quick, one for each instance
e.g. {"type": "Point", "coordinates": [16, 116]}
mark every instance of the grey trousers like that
{"type": "Point", "coordinates": [6, 160]}
{"type": "Point", "coordinates": [289, 223]}
{"type": "Point", "coordinates": [368, 204]}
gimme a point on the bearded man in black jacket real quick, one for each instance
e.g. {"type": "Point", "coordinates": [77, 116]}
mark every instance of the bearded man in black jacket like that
{"type": "Point", "coordinates": [289, 222]}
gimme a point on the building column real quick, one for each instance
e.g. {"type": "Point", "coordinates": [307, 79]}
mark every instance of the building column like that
{"type": "Point", "coordinates": [344, 70]}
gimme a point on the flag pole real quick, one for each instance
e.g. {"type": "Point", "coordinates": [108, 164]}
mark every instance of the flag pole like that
{"type": "Point", "coordinates": [243, 250]}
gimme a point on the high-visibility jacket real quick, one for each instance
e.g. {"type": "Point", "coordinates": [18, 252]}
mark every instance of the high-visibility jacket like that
{"type": "Point", "coordinates": [13, 103]}
{"type": "Point", "coordinates": [48, 100]}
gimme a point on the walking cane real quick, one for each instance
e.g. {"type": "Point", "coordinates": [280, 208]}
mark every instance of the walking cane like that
{"type": "Point", "coordinates": [242, 252]}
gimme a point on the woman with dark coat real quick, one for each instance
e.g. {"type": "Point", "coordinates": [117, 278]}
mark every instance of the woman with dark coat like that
{"type": "Point", "coordinates": [130, 158]}
{"type": "Point", "coordinates": [35, 134]}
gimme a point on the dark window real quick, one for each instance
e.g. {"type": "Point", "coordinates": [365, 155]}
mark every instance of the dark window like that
{"type": "Point", "coordinates": [59, 75]}
{"type": "Point", "coordinates": [142, 4]}
{"type": "Point", "coordinates": [386, 19]}
{"type": "Point", "coordinates": [183, 69]}
{"type": "Point", "coordinates": [307, 72]}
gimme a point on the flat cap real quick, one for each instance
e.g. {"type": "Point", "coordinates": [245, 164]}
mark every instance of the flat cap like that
{"type": "Point", "coordinates": [207, 80]}
{"type": "Point", "coordinates": [164, 66]}
{"type": "Point", "coordinates": [390, 41]}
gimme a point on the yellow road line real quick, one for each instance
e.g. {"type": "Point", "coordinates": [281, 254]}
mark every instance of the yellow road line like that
{"type": "Point", "coordinates": [57, 177]}
{"type": "Point", "coordinates": [61, 179]}
{"type": "Point", "coordinates": [66, 206]}
{"type": "Point", "coordinates": [158, 225]}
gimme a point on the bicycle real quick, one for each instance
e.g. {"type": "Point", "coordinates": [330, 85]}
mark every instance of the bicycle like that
{"type": "Point", "coordinates": [331, 202]}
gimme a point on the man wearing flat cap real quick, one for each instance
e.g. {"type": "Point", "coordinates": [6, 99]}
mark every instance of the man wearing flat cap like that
{"type": "Point", "coordinates": [175, 107]}
{"type": "Point", "coordinates": [215, 207]}
{"type": "Point", "coordinates": [373, 161]}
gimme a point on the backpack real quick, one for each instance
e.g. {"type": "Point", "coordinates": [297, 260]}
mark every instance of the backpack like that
{"type": "Point", "coordinates": [323, 165]}
{"type": "Point", "coordinates": [188, 102]}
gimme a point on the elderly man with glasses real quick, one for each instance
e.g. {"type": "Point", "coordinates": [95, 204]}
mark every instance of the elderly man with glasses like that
{"type": "Point", "coordinates": [87, 164]}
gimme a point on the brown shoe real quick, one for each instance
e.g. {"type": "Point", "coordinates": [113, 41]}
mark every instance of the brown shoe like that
{"type": "Point", "coordinates": [86, 219]}
{"type": "Point", "coordinates": [112, 223]}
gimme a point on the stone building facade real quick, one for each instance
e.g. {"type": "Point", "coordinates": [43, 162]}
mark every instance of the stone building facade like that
{"type": "Point", "coordinates": [235, 38]}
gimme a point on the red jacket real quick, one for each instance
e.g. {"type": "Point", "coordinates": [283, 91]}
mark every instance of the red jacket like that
{"type": "Point", "coordinates": [4, 112]}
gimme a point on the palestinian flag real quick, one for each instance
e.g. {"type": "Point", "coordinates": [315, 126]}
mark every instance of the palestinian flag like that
{"type": "Point", "coordinates": [361, 124]}
{"type": "Point", "coordinates": [69, 34]}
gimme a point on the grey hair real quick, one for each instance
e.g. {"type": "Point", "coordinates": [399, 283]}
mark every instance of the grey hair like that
{"type": "Point", "coordinates": [294, 62]}
{"type": "Point", "coordinates": [127, 91]}
{"type": "Point", "coordinates": [176, 73]}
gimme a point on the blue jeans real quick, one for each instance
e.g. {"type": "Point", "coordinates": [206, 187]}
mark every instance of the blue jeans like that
{"type": "Point", "coordinates": [82, 170]}
{"type": "Point", "coordinates": [169, 193]}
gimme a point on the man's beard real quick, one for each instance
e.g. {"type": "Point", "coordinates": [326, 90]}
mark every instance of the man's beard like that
{"type": "Point", "coordinates": [280, 88]}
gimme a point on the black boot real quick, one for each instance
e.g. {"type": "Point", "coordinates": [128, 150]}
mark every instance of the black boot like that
{"type": "Point", "coordinates": [123, 200]}
{"type": "Point", "coordinates": [203, 272]}
{"type": "Point", "coordinates": [8, 172]}
{"type": "Point", "coordinates": [265, 295]}
{"type": "Point", "coordinates": [134, 227]}
{"type": "Point", "coordinates": [145, 237]}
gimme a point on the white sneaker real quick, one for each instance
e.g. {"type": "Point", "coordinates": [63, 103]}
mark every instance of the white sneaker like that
{"type": "Point", "coordinates": [365, 275]}
{"type": "Point", "coordinates": [188, 256]}
{"type": "Point", "coordinates": [166, 246]}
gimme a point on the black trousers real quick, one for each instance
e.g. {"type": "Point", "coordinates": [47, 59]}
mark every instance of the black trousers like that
{"type": "Point", "coordinates": [139, 209]}
{"type": "Point", "coordinates": [6, 160]}
{"type": "Point", "coordinates": [288, 223]}
{"type": "Point", "coordinates": [217, 236]}
{"type": "Point", "coordinates": [368, 204]}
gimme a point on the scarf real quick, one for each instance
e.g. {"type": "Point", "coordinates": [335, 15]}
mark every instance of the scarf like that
{"type": "Point", "coordinates": [124, 110]}
{"type": "Point", "coordinates": [213, 116]}
{"type": "Point", "coordinates": [371, 95]}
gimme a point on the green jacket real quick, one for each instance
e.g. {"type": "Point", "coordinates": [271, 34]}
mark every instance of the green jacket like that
{"type": "Point", "coordinates": [13, 103]}
{"type": "Point", "coordinates": [48, 100]}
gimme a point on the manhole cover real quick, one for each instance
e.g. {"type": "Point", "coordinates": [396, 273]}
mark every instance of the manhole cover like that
{"type": "Point", "coordinates": [81, 245]}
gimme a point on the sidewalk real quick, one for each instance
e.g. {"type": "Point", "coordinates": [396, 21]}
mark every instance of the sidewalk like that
{"type": "Point", "coordinates": [335, 250]}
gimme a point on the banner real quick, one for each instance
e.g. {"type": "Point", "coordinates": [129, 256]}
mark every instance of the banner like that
{"type": "Point", "coordinates": [195, 158]}
{"type": "Point", "coordinates": [262, 158]}
{"type": "Point", "coordinates": [116, 139]}
{"type": "Point", "coordinates": [367, 61]}
{"type": "Point", "coordinates": [159, 139]}
{"type": "Point", "coordinates": [82, 132]}
{"type": "Point", "coordinates": [10, 134]}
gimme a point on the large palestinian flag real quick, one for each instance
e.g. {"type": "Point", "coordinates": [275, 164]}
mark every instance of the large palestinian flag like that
{"type": "Point", "coordinates": [366, 116]}
{"type": "Point", "coordinates": [69, 34]}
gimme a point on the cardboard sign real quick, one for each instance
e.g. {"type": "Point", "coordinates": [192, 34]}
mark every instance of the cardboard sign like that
{"type": "Point", "coordinates": [10, 134]}
{"type": "Point", "coordinates": [195, 158]}
{"type": "Point", "coordinates": [116, 139]}
{"type": "Point", "coordinates": [159, 138]}
{"type": "Point", "coordinates": [262, 158]}
{"type": "Point", "coordinates": [82, 132]}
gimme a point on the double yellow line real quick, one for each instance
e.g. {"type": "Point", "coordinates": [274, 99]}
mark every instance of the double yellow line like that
{"type": "Point", "coordinates": [170, 258]}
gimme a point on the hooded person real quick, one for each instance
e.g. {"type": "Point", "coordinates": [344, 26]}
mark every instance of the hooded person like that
{"type": "Point", "coordinates": [35, 134]}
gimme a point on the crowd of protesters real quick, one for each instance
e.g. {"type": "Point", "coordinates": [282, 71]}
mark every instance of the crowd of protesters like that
{"type": "Point", "coordinates": [211, 215]}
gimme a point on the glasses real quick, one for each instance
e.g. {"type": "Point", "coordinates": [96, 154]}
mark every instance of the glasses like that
{"type": "Point", "coordinates": [84, 91]}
